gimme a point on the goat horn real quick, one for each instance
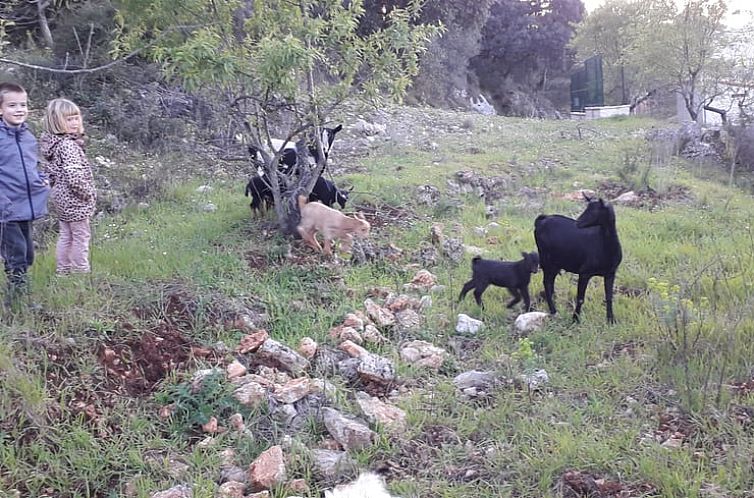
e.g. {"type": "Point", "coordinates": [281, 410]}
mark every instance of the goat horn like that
{"type": "Point", "coordinates": [586, 197]}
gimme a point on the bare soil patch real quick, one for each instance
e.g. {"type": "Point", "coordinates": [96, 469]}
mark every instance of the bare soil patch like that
{"type": "Point", "coordinates": [385, 215]}
{"type": "Point", "coordinates": [140, 363]}
{"type": "Point", "coordinates": [578, 484]}
{"type": "Point", "coordinates": [648, 198]}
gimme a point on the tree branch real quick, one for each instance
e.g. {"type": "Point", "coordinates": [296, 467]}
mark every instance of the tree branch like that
{"type": "Point", "coordinates": [110, 64]}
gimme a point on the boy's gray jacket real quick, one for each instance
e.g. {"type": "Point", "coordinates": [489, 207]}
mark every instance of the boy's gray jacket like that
{"type": "Point", "coordinates": [23, 190]}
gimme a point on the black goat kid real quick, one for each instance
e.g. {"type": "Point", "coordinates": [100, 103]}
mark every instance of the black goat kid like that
{"type": "Point", "coordinates": [514, 276]}
{"type": "Point", "coordinates": [324, 191]}
{"type": "Point", "coordinates": [260, 193]}
{"type": "Point", "coordinates": [328, 193]}
{"type": "Point", "coordinates": [587, 246]}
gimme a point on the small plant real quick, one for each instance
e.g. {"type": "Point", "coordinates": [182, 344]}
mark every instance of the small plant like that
{"type": "Point", "coordinates": [525, 355]}
{"type": "Point", "coordinates": [674, 310]}
{"type": "Point", "coordinates": [633, 172]}
{"type": "Point", "coordinates": [191, 407]}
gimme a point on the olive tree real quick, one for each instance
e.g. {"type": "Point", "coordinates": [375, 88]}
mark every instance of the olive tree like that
{"type": "Point", "coordinates": [282, 66]}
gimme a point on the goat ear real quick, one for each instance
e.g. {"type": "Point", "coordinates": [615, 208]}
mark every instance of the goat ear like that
{"type": "Point", "coordinates": [586, 197]}
{"type": "Point", "coordinates": [525, 255]}
{"type": "Point", "coordinates": [337, 129]}
{"type": "Point", "coordinates": [602, 202]}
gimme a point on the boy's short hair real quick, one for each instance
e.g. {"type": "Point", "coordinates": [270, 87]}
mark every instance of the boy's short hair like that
{"type": "Point", "coordinates": [57, 111]}
{"type": "Point", "coordinates": [7, 87]}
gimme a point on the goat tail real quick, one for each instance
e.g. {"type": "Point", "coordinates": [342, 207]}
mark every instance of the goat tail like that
{"type": "Point", "coordinates": [302, 200]}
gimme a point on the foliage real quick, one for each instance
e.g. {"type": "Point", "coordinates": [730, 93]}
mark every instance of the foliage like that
{"type": "Point", "coordinates": [526, 42]}
{"type": "Point", "coordinates": [612, 31]}
{"type": "Point", "coordinates": [285, 70]}
{"type": "Point", "coordinates": [525, 355]}
{"type": "Point", "coordinates": [686, 53]}
{"type": "Point", "coordinates": [636, 169]}
{"type": "Point", "coordinates": [25, 22]}
{"type": "Point", "coordinates": [444, 70]}
{"type": "Point", "coordinates": [191, 407]}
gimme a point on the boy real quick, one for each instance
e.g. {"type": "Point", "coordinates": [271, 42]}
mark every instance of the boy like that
{"type": "Point", "coordinates": [23, 190]}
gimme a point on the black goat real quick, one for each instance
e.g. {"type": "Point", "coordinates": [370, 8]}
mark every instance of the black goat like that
{"type": "Point", "coordinates": [328, 193]}
{"type": "Point", "coordinates": [288, 155]}
{"type": "Point", "coordinates": [514, 276]}
{"type": "Point", "coordinates": [260, 194]}
{"type": "Point", "coordinates": [587, 246]}
{"type": "Point", "coordinates": [324, 191]}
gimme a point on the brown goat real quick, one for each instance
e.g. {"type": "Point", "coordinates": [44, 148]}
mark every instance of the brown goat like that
{"type": "Point", "coordinates": [332, 224]}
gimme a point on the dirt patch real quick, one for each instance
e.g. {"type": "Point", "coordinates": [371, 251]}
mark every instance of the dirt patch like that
{"type": "Point", "coordinates": [624, 290]}
{"type": "Point", "coordinates": [386, 215]}
{"type": "Point", "coordinates": [647, 198]}
{"type": "Point", "coordinates": [743, 388]}
{"type": "Point", "coordinates": [578, 484]}
{"type": "Point", "coordinates": [743, 415]}
{"type": "Point", "coordinates": [629, 348]}
{"type": "Point", "coordinates": [140, 363]}
{"type": "Point", "coordinates": [674, 428]}
{"type": "Point", "coordinates": [256, 261]}
{"type": "Point", "coordinates": [438, 436]}
{"type": "Point", "coordinates": [183, 308]}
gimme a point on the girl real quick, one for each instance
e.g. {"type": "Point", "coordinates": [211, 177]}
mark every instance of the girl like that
{"type": "Point", "coordinates": [70, 175]}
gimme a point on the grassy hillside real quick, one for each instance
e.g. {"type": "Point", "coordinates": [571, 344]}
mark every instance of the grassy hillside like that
{"type": "Point", "coordinates": [658, 405]}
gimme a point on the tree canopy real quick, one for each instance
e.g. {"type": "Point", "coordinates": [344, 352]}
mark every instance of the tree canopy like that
{"type": "Point", "coordinates": [655, 43]}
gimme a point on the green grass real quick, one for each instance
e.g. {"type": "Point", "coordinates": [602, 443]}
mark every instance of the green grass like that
{"type": "Point", "coordinates": [609, 385]}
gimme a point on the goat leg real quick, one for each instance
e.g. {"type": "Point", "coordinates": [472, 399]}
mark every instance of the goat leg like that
{"type": "Point", "coordinates": [527, 299]}
{"type": "Point", "coordinates": [548, 280]}
{"type": "Point", "coordinates": [328, 247]}
{"type": "Point", "coordinates": [580, 295]}
{"type": "Point", "coordinates": [516, 298]}
{"type": "Point", "coordinates": [609, 280]}
{"type": "Point", "coordinates": [478, 294]}
{"type": "Point", "coordinates": [309, 239]}
{"type": "Point", "coordinates": [347, 243]}
{"type": "Point", "coordinates": [466, 288]}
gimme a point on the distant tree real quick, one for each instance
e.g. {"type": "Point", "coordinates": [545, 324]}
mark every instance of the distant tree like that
{"type": "Point", "coordinates": [687, 52]}
{"type": "Point", "coordinates": [280, 66]}
{"type": "Point", "coordinates": [444, 69]}
{"type": "Point", "coordinates": [32, 17]}
{"type": "Point", "coordinates": [612, 31]}
{"type": "Point", "coordinates": [649, 44]}
{"type": "Point", "coordinates": [528, 41]}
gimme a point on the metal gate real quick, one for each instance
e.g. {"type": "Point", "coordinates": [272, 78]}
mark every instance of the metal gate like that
{"type": "Point", "coordinates": [587, 86]}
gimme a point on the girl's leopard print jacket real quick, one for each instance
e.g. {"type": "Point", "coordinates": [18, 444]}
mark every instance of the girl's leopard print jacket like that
{"type": "Point", "coordinates": [73, 193]}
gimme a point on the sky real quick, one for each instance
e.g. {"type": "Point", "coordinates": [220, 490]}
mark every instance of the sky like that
{"type": "Point", "coordinates": [733, 20]}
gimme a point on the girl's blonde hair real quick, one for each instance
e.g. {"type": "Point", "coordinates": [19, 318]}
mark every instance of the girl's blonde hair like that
{"type": "Point", "coordinates": [57, 111]}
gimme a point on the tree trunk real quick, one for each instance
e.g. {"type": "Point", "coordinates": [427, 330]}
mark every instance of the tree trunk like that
{"type": "Point", "coordinates": [44, 26]}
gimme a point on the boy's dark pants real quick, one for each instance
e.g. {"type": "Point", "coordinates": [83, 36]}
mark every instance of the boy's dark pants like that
{"type": "Point", "coordinates": [17, 250]}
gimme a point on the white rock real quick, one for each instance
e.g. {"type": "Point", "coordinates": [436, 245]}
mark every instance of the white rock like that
{"type": "Point", "coordinates": [536, 379]}
{"type": "Point", "coordinates": [468, 325]}
{"type": "Point", "coordinates": [529, 322]}
{"type": "Point", "coordinates": [628, 198]}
